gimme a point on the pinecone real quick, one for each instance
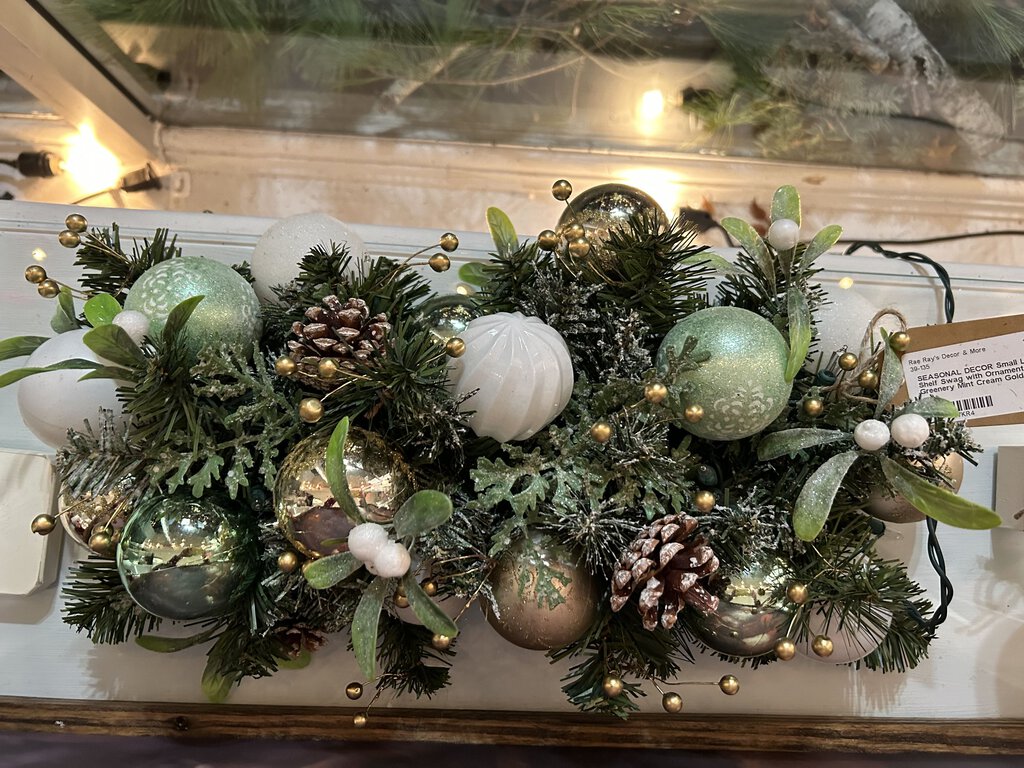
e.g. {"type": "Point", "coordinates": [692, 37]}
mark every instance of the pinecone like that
{"type": "Point", "coordinates": [296, 638]}
{"type": "Point", "coordinates": [344, 333]}
{"type": "Point", "coordinates": [666, 561]}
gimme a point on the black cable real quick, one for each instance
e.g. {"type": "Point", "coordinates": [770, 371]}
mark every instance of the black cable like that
{"type": "Point", "coordinates": [935, 556]}
{"type": "Point", "coordinates": [950, 238]}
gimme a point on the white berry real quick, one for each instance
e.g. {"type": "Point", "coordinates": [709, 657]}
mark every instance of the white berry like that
{"type": "Point", "coordinates": [784, 234]}
{"type": "Point", "coordinates": [134, 323]}
{"type": "Point", "coordinates": [365, 541]}
{"type": "Point", "coordinates": [392, 560]}
{"type": "Point", "coordinates": [910, 430]}
{"type": "Point", "coordinates": [871, 434]}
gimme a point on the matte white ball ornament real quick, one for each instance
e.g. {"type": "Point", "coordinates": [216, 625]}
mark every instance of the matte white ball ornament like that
{"type": "Point", "coordinates": [910, 430]}
{"type": "Point", "coordinates": [784, 234]}
{"type": "Point", "coordinates": [365, 541]}
{"type": "Point", "coordinates": [51, 403]}
{"type": "Point", "coordinates": [520, 371]}
{"type": "Point", "coordinates": [871, 434]}
{"type": "Point", "coordinates": [134, 323]}
{"type": "Point", "coordinates": [275, 260]}
{"type": "Point", "coordinates": [840, 322]}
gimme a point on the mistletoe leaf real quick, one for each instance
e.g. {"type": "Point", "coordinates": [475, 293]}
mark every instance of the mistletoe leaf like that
{"type": "Point", "coordinates": [101, 309]}
{"type": "Point", "coordinates": [932, 408]}
{"type": "Point", "coordinates": [799, 331]}
{"type": "Point", "coordinates": [301, 661]}
{"type": "Point", "coordinates": [786, 204]}
{"type": "Point", "coordinates": [713, 260]}
{"type": "Point", "coordinates": [109, 372]}
{"type": "Point", "coordinates": [816, 497]}
{"type": "Point", "coordinates": [790, 441]}
{"type": "Point", "coordinates": [111, 342]}
{"type": "Point", "coordinates": [334, 468]}
{"type": "Point", "coordinates": [365, 624]}
{"type": "Point", "coordinates": [325, 572]}
{"type": "Point", "coordinates": [506, 240]}
{"type": "Point", "coordinates": [890, 381]}
{"type": "Point", "coordinates": [20, 346]}
{"type": "Point", "coordinates": [821, 242]}
{"type": "Point", "coordinates": [427, 610]}
{"type": "Point", "coordinates": [159, 644]}
{"type": "Point", "coordinates": [64, 318]}
{"type": "Point", "coordinates": [216, 687]}
{"type": "Point", "coordinates": [752, 243]}
{"type": "Point", "coordinates": [937, 502]}
{"type": "Point", "coordinates": [64, 365]}
{"type": "Point", "coordinates": [422, 512]}
{"type": "Point", "coordinates": [474, 273]}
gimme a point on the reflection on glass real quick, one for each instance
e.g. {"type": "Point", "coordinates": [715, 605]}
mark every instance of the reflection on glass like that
{"type": "Point", "coordinates": [903, 83]}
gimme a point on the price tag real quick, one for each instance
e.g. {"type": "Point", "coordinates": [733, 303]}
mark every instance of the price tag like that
{"type": "Point", "coordinates": [978, 364]}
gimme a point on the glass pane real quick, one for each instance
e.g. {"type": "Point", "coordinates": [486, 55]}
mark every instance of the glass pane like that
{"type": "Point", "coordinates": [15, 100]}
{"type": "Point", "coordinates": [915, 84]}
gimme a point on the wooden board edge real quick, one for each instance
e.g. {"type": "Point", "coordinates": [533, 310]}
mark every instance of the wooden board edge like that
{"type": "Point", "coordinates": [690, 732]}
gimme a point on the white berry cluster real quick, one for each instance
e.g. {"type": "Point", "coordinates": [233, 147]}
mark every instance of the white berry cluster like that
{"type": "Point", "coordinates": [369, 543]}
{"type": "Point", "coordinates": [909, 430]}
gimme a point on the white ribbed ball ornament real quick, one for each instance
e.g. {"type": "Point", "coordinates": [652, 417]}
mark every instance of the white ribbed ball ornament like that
{"type": "Point", "coordinates": [871, 434]}
{"type": "Point", "coordinates": [910, 430]}
{"type": "Point", "coordinates": [520, 370]}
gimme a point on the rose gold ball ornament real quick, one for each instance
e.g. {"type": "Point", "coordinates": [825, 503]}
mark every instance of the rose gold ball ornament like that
{"type": "Point", "coordinates": [608, 208]}
{"type": "Point", "coordinates": [750, 619]}
{"type": "Point", "coordinates": [729, 685]}
{"type": "Point", "coordinates": [76, 222]}
{"type": "Point", "coordinates": [354, 690]}
{"type": "Point", "coordinates": [561, 190]}
{"type": "Point", "coordinates": [541, 598]}
{"type": "Point", "coordinates": [449, 242]}
{"type": "Point", "coordinates": [672, 703]}
{"type": "Point", "coordinates": [69, 239]}
{"type": "Point", "coordinates": [305, 507]}
{"type": "Point", "coordinates": [612, 687]}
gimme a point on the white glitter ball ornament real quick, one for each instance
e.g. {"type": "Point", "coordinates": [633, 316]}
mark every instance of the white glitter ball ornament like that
{"type": "Point", "coordinates": [520, 371]}
{"type": "Point", "coordinates": [784, 234]}
{"type": "Point", "coordinates": [871, 434]}
{"type": "Point", "coordinates": [910, 430]}
{"type": "Point", "coordinates": [365, 541]}
{"type": "Point", "coordinates": [275, 260]}
{"type": "Point", "coordinates": [134, 323]}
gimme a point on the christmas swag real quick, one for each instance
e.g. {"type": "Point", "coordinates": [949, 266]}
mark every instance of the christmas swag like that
{"type": "Point", "coordinates": [620, 463]}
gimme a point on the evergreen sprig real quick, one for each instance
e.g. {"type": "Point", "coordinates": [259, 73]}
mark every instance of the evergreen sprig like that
{"type": "Point", "coordinates": [97, 603]}
{"type": "Point", "coordinates": [107, 268]}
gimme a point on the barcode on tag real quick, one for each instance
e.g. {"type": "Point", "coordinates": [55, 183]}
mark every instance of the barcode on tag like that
{"type": "Point", "coordinates": [973, 403]}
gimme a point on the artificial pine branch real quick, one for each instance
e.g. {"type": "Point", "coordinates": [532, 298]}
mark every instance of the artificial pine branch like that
{"type": "Point", "coordinates": [97, 603]}
{"type": "Point", "coordinates": [107, 268]}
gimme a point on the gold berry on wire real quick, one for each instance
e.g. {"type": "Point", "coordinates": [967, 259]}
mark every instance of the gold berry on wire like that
{"type": "Point", "coordinates": [848, 361]}
{"type": "Point", "coordinates": [547, 240]}
{"type": "Point", "coordinates": [868, 379]}
{"type": "Point", "coordinates": [579, 247]}
{"type": "Point", "coordinates": [327, 369]}
{"type": "Point", "coordinates": [354, 690]}
{"type": "Point", "coordinates": [573, 231]}
{"type": "Point", "coordinates": [797, 593]}
{"type": "Point", "coordinates": [359, 720]}
{"type": "Point", "coordinates": [693, 413]}
{"type": "Point", "coordinates": [76, 222]}
{"type": "Point", "coordinates": [729, 685]}
{"type": "Point", "coordinates": [455, 347]}
{"type": "Point", "coordinates": [311, 410]}
{"type": "Point", "coordinates": [561, 190]}
{"type": "Point", "coordinates": [900, 341]}
{"type": "Point", "coordinates": [449, 242]}
{"type": "Point", "coordinates": [69, 239]}
{"type": "Point", "coordinates": [612, 686]}
{"type": "Point", "coordinates": [35, 274]}
{"type": "Point", "coordinates": [704, 501]}
{"type": "Point", "coordinates": [601, 432]}
{"type": "Point", "coordinates": [785, 649]}
{"type": "Point", "coordinates": [655, 392]}
{"type": "Point", "coordinates": [672, 703]}
{"type": "Point", "coordinates": [44, 524]}
{"type": "Point", "coordinates": [822, 646]}
{"type": "Point", "coordinates": [284, 366]}
{"type": "Point", "coordinates": [441, 642]}
{"type": "Point", "coordinates": [287, 561]}
{"type": "Point", "coordinates": [48, 289]}
{"type": "Point", "coordinates": [101, 542]}
{"type": "Point", "coordinates": [439, 262]}
{"type": "Point", "coordinates": [401, 601]}
{"type": "Point", "coordinates": [429, 587]}
{"type": "Point", "coordinates": [813, 406]}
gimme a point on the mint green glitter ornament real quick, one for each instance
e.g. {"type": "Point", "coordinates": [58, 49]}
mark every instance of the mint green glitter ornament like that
{"type": "Point", "coordinates": [742, 387]}
{"type": "Point", "coordinates": [229, 313]}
